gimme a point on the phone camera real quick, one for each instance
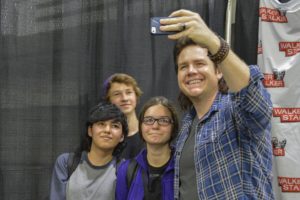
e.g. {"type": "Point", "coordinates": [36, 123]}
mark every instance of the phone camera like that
{"type": "Point", "coordinates": [153, 30]}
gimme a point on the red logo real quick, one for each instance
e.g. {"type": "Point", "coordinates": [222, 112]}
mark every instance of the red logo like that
{"type": "Point", "coordinates": [272, 15]}
{"type": "Point", "coordinates": [259, 48]}
{"type": "Point", "coordinates": [289, 184]}
{"type": "Point", "coordinates": [290, 48]}
{"type": "Point", "coordinates": [278, 146]}
{"type": "Point", "coordinates": [287, 114]}
{"type": "Point", "coordinates": [274, 80]}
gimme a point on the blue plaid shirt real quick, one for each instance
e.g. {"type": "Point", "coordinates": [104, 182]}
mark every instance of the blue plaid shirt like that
{"type": "Point", "coordinates": [233, 151]}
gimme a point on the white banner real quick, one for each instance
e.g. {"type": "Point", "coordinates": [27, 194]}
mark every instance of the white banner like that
{"type": "Point", "coordinates": [279, 59]}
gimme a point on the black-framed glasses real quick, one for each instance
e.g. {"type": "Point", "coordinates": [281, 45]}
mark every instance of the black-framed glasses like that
{"type": "Point", "coordinates": [162, 121]}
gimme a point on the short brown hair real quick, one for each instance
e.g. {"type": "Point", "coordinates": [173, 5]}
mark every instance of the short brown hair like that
{"type": "Point", "coordinates": [121, 78]}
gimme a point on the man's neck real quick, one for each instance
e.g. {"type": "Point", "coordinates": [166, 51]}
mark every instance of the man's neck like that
{"type": "Point", "coordinates": [203, 104]}
{"type": "Point", "coordinates": [133, 123]}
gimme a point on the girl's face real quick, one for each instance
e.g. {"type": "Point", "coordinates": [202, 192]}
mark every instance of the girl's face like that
{"type": "Point", "coordinates": [157, 125]}
{"type": "Point", "coordinates": [106, 135]}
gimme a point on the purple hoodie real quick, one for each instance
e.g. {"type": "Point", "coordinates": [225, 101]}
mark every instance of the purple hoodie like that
{"type": "Point", "coordinates": [136, 191]}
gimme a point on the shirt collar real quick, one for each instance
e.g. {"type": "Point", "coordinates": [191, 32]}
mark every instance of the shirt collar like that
{"type": "Point", "coordinates": [214, 108]}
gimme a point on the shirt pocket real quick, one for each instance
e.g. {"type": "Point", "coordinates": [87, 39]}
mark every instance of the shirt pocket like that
{"type": "Point", "coordinates": [211, 129]}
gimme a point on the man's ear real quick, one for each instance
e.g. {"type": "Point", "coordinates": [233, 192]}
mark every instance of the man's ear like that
{"type": "Point", "coordinates": [219, 74]}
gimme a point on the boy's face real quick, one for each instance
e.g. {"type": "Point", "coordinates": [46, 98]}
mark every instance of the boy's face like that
{"type": "Point", "coordinates": [106, 135]}
{"type": "Point", "coordinates": [123, 96]}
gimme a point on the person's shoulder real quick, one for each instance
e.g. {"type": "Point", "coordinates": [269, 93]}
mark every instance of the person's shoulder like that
{"type": "Point", "coordinates": [62, 159]}
{"type": "Point", "coordinates": [122, 167]}
{"type": "Point", "coordinates": [61, 166]}
{"type": "Point", "coordinates": [63, 156]}
{"type": "Point", "coordinates": [123, 164]}
{"type": "Point", "coordinates": [255, 72]}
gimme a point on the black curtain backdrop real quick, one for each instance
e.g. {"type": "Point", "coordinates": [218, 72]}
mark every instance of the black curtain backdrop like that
{"type": "Point", "coordinates": [54, 56]}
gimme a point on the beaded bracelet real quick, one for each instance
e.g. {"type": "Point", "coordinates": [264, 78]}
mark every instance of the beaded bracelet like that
{"type": "Point", "coordinates": [222, 52]}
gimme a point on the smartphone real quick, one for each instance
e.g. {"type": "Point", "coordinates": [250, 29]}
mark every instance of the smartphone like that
{"type": "Point", "coordinates": [155, 24]}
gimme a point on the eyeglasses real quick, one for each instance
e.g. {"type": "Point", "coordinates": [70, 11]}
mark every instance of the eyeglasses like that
{"type": "Point", "coordinates": [162, 121]}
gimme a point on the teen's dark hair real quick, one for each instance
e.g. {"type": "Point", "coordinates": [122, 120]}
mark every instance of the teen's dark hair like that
{"type": "Point", "coordinates": [184, 102]}
{"type": "Point", "coordinates": [160, 100]}
{"type": "Point", "coordinates": [102, 112]}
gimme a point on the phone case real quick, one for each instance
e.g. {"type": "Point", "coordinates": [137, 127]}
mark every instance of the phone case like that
{"type": "Point", "coordinates": [155, 24]}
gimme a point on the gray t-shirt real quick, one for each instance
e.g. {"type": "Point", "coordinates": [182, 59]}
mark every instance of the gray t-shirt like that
{"type": "Point", "coordinates": [90, 182]}
{"type": "Point", "coordinates": [187, 173]}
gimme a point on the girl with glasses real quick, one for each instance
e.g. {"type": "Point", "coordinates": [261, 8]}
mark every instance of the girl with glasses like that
{"type": "Point", "coordinates": [153, 176]}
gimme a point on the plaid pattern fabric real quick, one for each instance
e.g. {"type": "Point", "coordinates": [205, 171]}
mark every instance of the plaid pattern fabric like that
{"type": "Point", "coordinates": [233, 151]}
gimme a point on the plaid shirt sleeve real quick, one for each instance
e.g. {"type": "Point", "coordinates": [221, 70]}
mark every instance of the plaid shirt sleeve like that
{"type": "Point", "coordinates": [253, 104]}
